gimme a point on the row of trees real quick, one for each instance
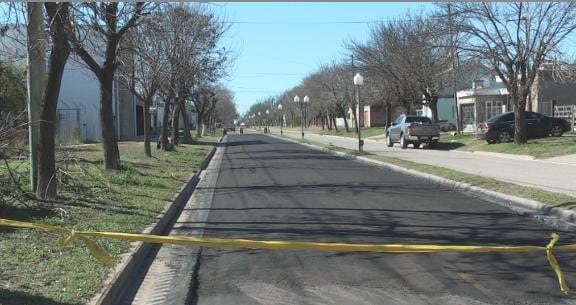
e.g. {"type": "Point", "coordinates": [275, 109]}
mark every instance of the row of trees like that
{"type": "Point", "coordinates": [408, 62]}
{"type": "Point", "coordinates": [167, 52]}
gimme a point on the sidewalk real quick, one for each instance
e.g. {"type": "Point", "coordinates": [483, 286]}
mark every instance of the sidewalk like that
{"type": "Point", "coordinates": [555, 175]}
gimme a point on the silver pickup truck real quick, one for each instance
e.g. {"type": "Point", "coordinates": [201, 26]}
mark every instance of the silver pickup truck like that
{"type": "Point", "coordinates": [412, 129]}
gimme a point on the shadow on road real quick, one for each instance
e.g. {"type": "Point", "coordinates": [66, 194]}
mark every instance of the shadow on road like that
{"type": "Point", "coordinates": [448, 146]}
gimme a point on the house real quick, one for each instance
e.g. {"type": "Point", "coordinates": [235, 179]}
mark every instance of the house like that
{"type": "Point", "coordinates": [548, 92]}
{"type": "Point", "coordinates": [374, 116]}
{"type": "Point", "coordinates": [487, 97]}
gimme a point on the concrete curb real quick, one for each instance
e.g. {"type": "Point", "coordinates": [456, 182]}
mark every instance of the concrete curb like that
{"type": "Point", "coordinates": [115, 285]}
{"type": "Point", "coordinates": [512, 202]}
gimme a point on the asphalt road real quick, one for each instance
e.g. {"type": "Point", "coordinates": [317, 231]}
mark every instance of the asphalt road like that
{"type": "Point", "coordinates": [273, 189]}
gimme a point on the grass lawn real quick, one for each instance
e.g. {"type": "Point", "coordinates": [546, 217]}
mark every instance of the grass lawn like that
{"type": "Point", "coordinates": [545, 197]}
{"type": "Point", "coordinates": [34, 269]}
{"type": "Point", "coordinates": [366, 132]}
{"type": "Point", "coordinates": [539, 148]}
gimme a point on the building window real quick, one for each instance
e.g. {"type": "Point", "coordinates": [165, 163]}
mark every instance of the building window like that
{"type": "Point", "coordinates": [493, 108]}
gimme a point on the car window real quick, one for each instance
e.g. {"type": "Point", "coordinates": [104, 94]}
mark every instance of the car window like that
{"type": "Point", "coordinates": [418, 119]}
{"type": "Point", "coordinates": [533, 115]}
{"type": "Point", "coordinates": [502, 117]}
{"type": "Point", "coordinates": [399, 120]}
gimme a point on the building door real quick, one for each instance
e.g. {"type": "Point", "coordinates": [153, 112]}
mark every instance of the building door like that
{"type": "Point", "coordinates": [468, 117]}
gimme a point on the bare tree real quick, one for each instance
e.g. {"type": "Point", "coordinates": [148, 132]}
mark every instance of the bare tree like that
{"type": "Point", "coordinates": [143, 69]}
{"type": "Point", "coordinates": [52, 40]}
{"type": "Point", "coordinates": [96, 33]}
{"type": "Point", "coordinates": [58, 17]}
{"type": "Point", "coordinates": [410, 56]}
{"type": "Point", "coordinates": [515, 39]}
{"type": "Point", "coordinates": [195, 62]}
{"type": "Point", "coordinates": [225, 110]}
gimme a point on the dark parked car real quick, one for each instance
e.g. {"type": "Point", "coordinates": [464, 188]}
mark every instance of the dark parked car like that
{"type": "Point", "coordinates": [501, 127]}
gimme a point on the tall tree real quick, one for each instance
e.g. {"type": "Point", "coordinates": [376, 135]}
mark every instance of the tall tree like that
{"type": "Point", "coordinates": [97, 33]}
{"type": "Point", "coordinates": [58, 18]}
{"type": "Point", "coordinates": [412, 55]}
{"type": "Point", "coordinates": [225, 110]}
{"type": "Point", "coordinates": [195, 62]}
{"type": "Point", "coordinates": [515, 39]}
{"type": "Point", "coordinates": [143, 69]}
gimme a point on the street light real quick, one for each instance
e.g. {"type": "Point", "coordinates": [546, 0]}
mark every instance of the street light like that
{"type": "Point", "coordinates": [267, 128]}
{"type": "Point", "coordinates": [306, 101]}
{"type": "Point", "coordinates": [359, 81]}
{"type": "Point", "coordinates": [302, 106]}
{"type": "Point", "coordinates": [281, 119]}
{"type": "Point", "coordinates": [297, 101]}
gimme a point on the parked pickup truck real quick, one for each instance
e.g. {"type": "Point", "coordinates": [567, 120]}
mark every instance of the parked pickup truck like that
{"type": "Point", "coordinates": [412, 129]}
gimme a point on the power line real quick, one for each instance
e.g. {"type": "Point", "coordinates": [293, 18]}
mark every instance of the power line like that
{"type": "Point", "coordinates": [328, 22]}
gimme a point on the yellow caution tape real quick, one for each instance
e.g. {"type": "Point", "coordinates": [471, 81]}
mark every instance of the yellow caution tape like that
{"type": "Point", "coordinates": [105, 258]}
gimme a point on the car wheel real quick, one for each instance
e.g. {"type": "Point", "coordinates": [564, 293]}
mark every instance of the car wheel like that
{"type": "Point", "coordinates": [403, 142]}
{"type": "Point", "coordinates": [504, 136]}
{"type": "Point", "coordinates": [432, 144]}
{"type": "Point", "coordinates": [556, 131]}
{"type": "Point", "coordinates": [389, 141]}
{"type": "Point", "coordinates": [416, 145]}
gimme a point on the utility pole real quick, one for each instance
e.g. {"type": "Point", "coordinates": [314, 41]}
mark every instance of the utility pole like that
{"type": "Point", "coordinates": [356, 113]}
{"type": "Point", "coordinates": [529, 55]}
{"type": "Point", "coordinates": [455, 67]}
{"type": "Point", "coordinates": [36, 74]}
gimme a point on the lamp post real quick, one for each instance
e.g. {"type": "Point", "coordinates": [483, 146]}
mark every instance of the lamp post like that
{"type": "Point", "coordinates": [259, 121]}
{"type": "Point", "coordinates": [302, 105]}
{"type": "Point", "coordinates": [267, 128]}
{"type": "Point", "coordinates": [281, 119]}
{"type": "Point", "coordinates": [359, 81]}
{"type": "Point", "coordinates": [306, 101]}
{"type": "Point", "coordinates": [297, 101]}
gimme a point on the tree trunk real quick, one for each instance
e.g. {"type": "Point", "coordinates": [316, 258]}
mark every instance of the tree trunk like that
{"type": "Point", "coordinates": [176, 124]}
{"type": "Point", "coordinates": [165, 125]}
{"type": "Point", "coordinates": [187, 133]}
{"type": "Point", "coordinates": [342, 112]}
{"type": "Point", "coordinates": [355, 119]}
{"type": "Point", "coordinates": [46, 183]}
{"type": "Point", "coordinates": [434, 108]}
{"type": "Point", "coordinates": [519, 119]}
{"type": "Point", "coordinates": [199, 126]}
{"type": "Point", "coordinates": [109, 139]}
{"type": "Point", "coordinates": [147, 149]}
{"type": "Point", "coordinates": [334, 122]}
{"type": "Point", "coordinates": [388, 113]}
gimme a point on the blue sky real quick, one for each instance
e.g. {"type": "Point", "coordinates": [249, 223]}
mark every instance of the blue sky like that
{"type": "Point", "coordinates": [276, 44]}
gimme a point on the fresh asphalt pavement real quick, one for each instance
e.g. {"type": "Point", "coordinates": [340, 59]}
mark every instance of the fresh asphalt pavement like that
{"type": "Point", "coordinates": [270, 189]}
{"type": "Point", "coordinates": [554, 175]}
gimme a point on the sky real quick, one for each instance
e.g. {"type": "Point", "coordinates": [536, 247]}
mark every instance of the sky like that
{"type": "Point", "coordinates": [275, 45]}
